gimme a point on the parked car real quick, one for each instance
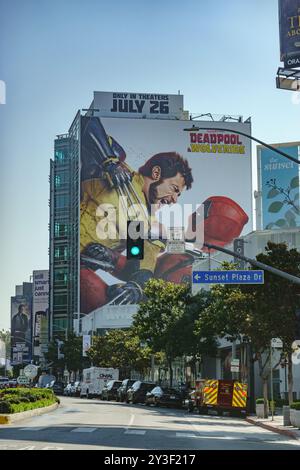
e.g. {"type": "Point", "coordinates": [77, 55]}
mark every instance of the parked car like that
{"type": "Point", "coordinates": [68, 389]}
{"type": "Point", "coordinates": [122, 391]}
{"type": "Point", "coordinates": [4, 382]}
{"type": "Point", "coordinates": [137, 393]}
{"type": "Point", "coordinates": [164, 396]}
{"type": "Point", "coordinates": [110, 390]}
{"type": "Point", "coordinates": [58, 388]}
{"type": "Point", "coordinates": [76, 389]}
{"type": "Point", "coordinates": [13, 383]}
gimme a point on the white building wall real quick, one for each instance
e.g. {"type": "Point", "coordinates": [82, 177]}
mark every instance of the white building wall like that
{"type": "Point", "coordinates": [109, 316]}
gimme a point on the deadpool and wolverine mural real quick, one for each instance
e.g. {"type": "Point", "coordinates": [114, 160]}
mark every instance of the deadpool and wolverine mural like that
{"type": "Point", "coordinates": [106, 276]}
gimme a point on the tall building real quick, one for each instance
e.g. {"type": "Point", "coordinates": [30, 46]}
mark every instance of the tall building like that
{"type": "Point", "coordinates": [64, 222]}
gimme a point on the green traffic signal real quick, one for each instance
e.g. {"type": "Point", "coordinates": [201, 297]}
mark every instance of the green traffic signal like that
{"type": "Point", "coordinates": [135, 251]}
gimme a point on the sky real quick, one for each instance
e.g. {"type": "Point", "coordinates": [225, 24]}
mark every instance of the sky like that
{"type": "Point", "coordinates": [222, 55]}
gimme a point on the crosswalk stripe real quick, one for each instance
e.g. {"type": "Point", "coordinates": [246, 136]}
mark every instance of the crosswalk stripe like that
{"type": "Point", "coordinates": [84, 429]}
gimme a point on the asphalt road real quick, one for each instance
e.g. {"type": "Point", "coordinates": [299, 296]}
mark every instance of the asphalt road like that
{"type": "Point", "coordinates": [94, 424]}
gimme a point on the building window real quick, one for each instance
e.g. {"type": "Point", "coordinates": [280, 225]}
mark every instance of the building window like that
{"type": "Point", "coordinates": [60, 155]}
{"type": "Point", "coordinates": [60, 230]}
{"type": "Point", "coordinates": [62, 201]}
{"type": "Point", "coordinates": [61, 179]}
{"type": "Point", "coordinates": [60, 300]}
{"type": "Point", "coordinates": [61, 253]}
{"type": "Point", "coordinates": [60, 325]}
{"type": "Point", "coordinates": [60, 278]}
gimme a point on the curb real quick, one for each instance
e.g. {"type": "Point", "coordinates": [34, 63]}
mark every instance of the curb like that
{"type": "Point", "coordinates": [11, 418]}
{"type": "Point", "coordinates": [284, 432]}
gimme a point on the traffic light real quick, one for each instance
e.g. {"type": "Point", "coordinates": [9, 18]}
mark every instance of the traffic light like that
{"type": "Point", "coordinates": [135, 240]}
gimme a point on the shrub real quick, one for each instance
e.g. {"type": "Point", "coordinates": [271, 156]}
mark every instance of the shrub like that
{"type": "Point", "coordinates": [23, 399]}
{"type": "Point", "coordinates": [260, 401]}
{"type": "Point", "coordinates": [295, 405]}
{"type": "Point", "coordinates": [280, 402]}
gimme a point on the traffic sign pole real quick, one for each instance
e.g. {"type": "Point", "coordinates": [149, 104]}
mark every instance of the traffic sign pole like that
{"type": "Point", "coordinates": [271, 378]}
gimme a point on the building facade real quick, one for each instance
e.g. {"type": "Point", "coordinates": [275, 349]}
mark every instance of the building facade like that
{"type": "Point", "coordinates": [64, 232]}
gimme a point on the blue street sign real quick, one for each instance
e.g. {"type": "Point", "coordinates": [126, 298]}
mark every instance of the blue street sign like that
{"type": "Point", "coordinates": [228, 277]}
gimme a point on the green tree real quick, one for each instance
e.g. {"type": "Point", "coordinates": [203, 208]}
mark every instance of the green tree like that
{"type": "Point", "coordinates": [160, 319]}
{"type": "Point", "coordinates": [71, 349]}
{"type": "Point", "coordinates": [260, 312]}
{"type": "Point", "coordinates": [276, 302]}
{"type": "Point", "coordinates": [121, 349]}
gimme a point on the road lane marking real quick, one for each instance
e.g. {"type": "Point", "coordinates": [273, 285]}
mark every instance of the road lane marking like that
{"type": "Point", "coordinates": [135, 431]}
{"type": "Point", "coordinates": [83, 429]}
{"type": "Point", "coordinates": [33, 428]}
{"type": "Point", "coordinates": [131, 421]}
{"type": "Point", "coordinates": [200, 436]}
{"type": "Point", "coordinates": [52, 448]}
{"type": "Point", "coordinates": [184, 434]}
{"type": "Point", "coordinates": [27, 448]}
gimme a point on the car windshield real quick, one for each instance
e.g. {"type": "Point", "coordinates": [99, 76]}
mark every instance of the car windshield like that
{"type": "Point", "coordinates": [156, 390]}
{"type": "Point", "coordinates": [109, 384]}
{"type": "Point", "coordinates": [136, 385]}
{"type": "Point", "coordinates": [116, 384]}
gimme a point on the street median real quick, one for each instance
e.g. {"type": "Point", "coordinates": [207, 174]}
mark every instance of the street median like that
{"type": "Point", "coordinates": [20, 403]}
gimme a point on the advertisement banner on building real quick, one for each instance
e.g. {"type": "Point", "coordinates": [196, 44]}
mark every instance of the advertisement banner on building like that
{"type": "Point", "coordinates": [164, 173]}
{"type": "Point", "coordinates": [40, 309]}
{"type": "Point", "coordinates": [138, 105]}
{"type": "Point", "coordinates": [86, 344]}
{"type": "Point", "coordinates": [289, 31]}
{"type": "Point", "coordinates": [2, 353]}
{"type": "Point", "coordinates": [20, 330]}
{"type": "Point", "coordinates": [279, 187]}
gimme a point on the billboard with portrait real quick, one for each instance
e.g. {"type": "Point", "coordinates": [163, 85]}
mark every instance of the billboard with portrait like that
{"type": "Point", "coordinates": [165, 173]}
{"type": "Point", "coordinates": [289, 30]}
{"type": "Point", "coordinates": [279, 187]}
{"type": "Point", "coordinates": [20, 330]}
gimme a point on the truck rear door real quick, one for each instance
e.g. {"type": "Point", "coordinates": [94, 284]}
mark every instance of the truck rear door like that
{"type": "Point", "coordinates": [239, 397]}
{"type": "Point", "coordinates": [225, 392]}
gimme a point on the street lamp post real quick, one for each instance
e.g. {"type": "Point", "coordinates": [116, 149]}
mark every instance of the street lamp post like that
{"type": "Point", "coordinates": [270, 147]}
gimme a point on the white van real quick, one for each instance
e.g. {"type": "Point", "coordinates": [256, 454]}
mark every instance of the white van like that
{"type": "Point", "coordinates": [94, 379]}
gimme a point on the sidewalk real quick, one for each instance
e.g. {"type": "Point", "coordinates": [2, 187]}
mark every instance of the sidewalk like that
{"type": "Point", "coordinates": [275, 426]}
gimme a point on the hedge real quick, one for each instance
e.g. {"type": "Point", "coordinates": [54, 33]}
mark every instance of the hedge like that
{"type": "Point", "coordinates": [24, 399]}
{"type": "Point", "coordinates": [295, 405]}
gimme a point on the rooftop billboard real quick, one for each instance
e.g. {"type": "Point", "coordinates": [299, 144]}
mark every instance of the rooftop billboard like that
{"type": "Point", "coordinates": [138, 105]}
{"type": "Point", "coordinates": [173, 170]}
{"type": "Point", "coordinates": [289, 30]}
{"type": "Point", "coordinates": [278, 182]}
